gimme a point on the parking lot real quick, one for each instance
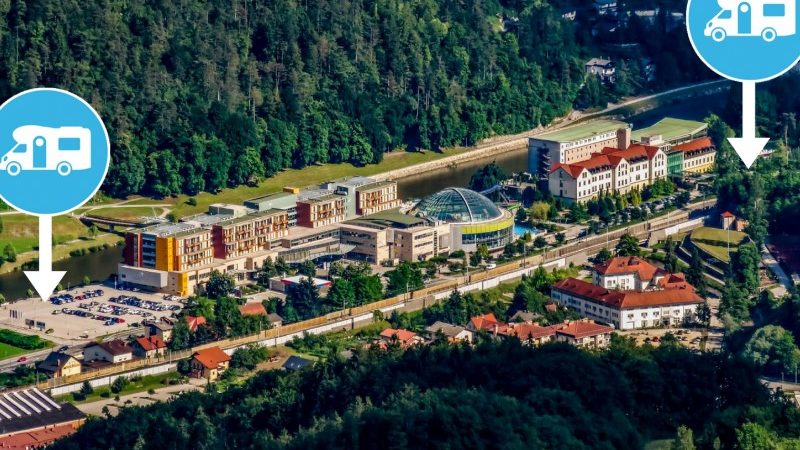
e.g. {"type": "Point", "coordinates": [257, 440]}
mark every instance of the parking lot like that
{"type": "Point", "coordinates": [87, 313]}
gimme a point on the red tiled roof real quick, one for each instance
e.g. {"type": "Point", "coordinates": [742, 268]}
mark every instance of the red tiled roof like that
{"type": "Point", "coordinates": [697, 144]}
{"type": "Point", "coordinates": [36, 438]}
{"type": "Point", "coordinates": [573, 170]}
{"type": "Point", "coordinates": [728, 215]}
{"type": "Point", "coordinates": [632, 152]}
{"type": "Point", "coordinates": [525, 331]}
{"type": "Point", "coordinates": [211, 357]}
{"type": "Point", "coordinates": [150, 343]}
{"type": "Point", "coordinates": [628, 299]}
{"type": "Point", "coordinates": [253, 309]}
{"type": "Point", "coordinates": [484, 322]}
{"type": "Point", "coordinates": [402, 335]}
{"type": "Point", "coordinates": [621, 265]}
{"type": "Point", "coordinates": [581, 328]}
{"type": "Point", "coordinates": [195, 321]}
{"type": "Point", "coordinates": [674, 281]}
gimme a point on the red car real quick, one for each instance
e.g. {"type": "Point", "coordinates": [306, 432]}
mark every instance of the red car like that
{"type": "Point", "coordinates": [22, 359]}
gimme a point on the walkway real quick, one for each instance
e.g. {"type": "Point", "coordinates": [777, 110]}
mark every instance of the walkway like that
{"type": "Point", "coordinates": [769, 260]}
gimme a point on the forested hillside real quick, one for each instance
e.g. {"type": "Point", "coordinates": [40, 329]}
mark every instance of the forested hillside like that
{"type": "Point", "coordinates": [496, 396]}
{"type": "Point", "coordinates": [200, 95]}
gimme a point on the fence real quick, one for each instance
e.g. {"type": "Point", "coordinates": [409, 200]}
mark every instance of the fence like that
{"type": "Point", "coordinates": [349, 317]}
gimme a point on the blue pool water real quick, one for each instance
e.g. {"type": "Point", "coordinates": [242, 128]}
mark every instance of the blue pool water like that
{"type": "Point", "coordinates": [519, 230]}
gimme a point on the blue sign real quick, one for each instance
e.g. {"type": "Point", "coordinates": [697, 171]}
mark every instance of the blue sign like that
{"type": "Point", "coordinates": [54, 151]}
{"type": "Point", "coordinates": [745, 40]}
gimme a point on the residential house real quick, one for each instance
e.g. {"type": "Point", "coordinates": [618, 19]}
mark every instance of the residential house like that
{"type": "Point", "coordinates": [59, 364]}
{"type": "Point", "coordinates": [453, 333]}
{"type": "Point", "coordinates": [161, 329]}
{"type": "Point", "coordinates": [603, 68]}
{"type": "Point", "coordinates": [583, 333]}
{"type": "Point", "coordinates": [252, 309]}
{"type": "Point", "coordinates": [149, 347]}
{"type": "Point", "coordinates": [274, 319]}
{"type": "Point", "coordinates": [531, 333]}
{"type": "Point", "coordinates": [209, 363]}
{"type": "Point", "coordinates": [194, 322]}
{"type": "Point", "coordinates": [400, 336]}
{"type": "Point", "coordinates": [486, 322]}
{"type": "Point", "coordinates": [115, 351]}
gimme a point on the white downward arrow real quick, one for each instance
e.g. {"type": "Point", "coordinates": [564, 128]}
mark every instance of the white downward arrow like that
{"type": "Point", "coordinates": [748, 146]}
{"type": "Point", "coordinates": [45, 280]}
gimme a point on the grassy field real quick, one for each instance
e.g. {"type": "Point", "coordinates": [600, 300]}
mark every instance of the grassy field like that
{"type": "Point", "coordinates": [717, 234]}
{"type": "Point", "coordinates": [7, 351]}
{"type": "Point", "coordinates": [127, 213]}
{"type": "Point", "coordinates": [21, 230]}
{"type": "Point", "coordinates": [306, 177]}
{"type": "Point", "coordinates": [141, 385]}
{"type": "Point", "coordinates": [714, 241]}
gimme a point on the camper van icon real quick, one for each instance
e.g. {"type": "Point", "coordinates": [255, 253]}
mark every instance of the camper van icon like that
{"type": "Point", "coordinates": [741, 18]}
{"type": "Point", "coordinates": [62, 149]}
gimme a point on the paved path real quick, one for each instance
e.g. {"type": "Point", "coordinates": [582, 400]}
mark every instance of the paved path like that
{"type": "Point", "coordinates": [769, 260]}
{"type": "Point", "coordinates": [140, 399]}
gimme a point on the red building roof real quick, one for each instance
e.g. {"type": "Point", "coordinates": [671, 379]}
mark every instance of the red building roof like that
{"type": "Point", "coordinates": [628, 299]}
{"type": "Point", "coordinates": [253, 309]}
{"type": "Point", "coordinates": [608, 159]}
{"type": "Point", "coordinates": [150, 343]}
{"type": "Point", "coordinates": [194, 322]}
{"type": "Point", "coordinates": [622, 265]}
{"type": "Point", "coordinates": [525, 331]}
{"type": "Point", "coordinates": [579, 329]}
{"type": "Point", "coordinates": [697, 144]}
{"type": "Point", "coordinates": [211, 357]}
{"type": "Point", "coordinates": [403, 336]}
{"type": "Point", "coordinates": [487, 322]}
{"type": "Point", "coordinates": [728, 215]}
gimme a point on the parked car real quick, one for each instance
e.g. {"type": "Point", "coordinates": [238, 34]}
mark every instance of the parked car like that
{"type": "Point", "coordinates": [22, 359]}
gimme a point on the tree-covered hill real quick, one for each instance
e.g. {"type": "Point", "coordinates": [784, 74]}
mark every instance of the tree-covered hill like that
{"type": "Point", "coordinates": [497, 396]}
{"type": "Point", "coordinates": [200, 95]}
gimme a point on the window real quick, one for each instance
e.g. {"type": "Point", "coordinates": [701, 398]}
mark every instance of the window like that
{"type": "Point", "coordinates": [774, 10]}
{"type": "Point", "coordinates": [20, 148]}
{"type": "Point", "coordinates": [69, 144]}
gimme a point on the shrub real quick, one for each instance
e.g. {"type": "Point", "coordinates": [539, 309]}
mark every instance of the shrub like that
{"type": "Point", "coordinates": [119, 384]}
{"type": "Point", "coordinates": [78, 396]}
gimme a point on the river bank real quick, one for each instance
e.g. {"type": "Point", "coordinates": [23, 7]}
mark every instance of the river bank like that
{"type": "Point", "coordinates": [422, 174]}
{"type": "Point", "coordinates": [502, 144]}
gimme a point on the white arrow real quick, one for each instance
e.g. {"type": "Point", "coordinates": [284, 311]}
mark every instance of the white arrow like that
{"type": "Point", "coordinates": [45, 279]}
{"type": "Point", "coordinates": [748, 146]}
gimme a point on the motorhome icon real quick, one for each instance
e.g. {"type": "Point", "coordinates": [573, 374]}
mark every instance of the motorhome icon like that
{"type": "Point", "coordinates": [62, 149]}
{"type": "Point", "coordinates": [766, 18]}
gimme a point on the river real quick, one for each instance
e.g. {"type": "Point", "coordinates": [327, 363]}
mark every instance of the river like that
{"type": "Point", "coordinates": [100, 265]}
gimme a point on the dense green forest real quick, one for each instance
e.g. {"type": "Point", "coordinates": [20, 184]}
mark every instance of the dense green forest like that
{"type": "Point", "coordinates": [201, 95]}
{"type": "Point", "coordinates": [497, 395]}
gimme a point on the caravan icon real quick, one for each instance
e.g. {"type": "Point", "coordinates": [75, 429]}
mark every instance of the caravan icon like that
{"type": "Point", "coordinates": [61, 149]}
{"type": "Point", "coordinates": [766, 18]}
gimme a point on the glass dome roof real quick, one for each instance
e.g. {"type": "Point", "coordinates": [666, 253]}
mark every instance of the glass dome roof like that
{"type": "Point", "coordinates": [457, 205]}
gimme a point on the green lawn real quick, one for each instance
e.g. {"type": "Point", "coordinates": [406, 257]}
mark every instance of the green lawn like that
{"type": "Point", "coordinates": [8, 351]}
{"type": "Point", "coordinates": [141, 385]}
{"type": "Point", "coordinates": [714, 241]}
{"type": "Point", "coordinates": [306, 177]}
{"type": "Point", "coordinates": [22, 230]}
{"type": "Point", "coordinates": [127, 213]}
{"type": "Point", "coordinates": [718, 234]}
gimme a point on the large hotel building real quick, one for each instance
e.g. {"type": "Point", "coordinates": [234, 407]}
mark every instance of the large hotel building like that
{"type": "Point", "coordinates": [359, 218]}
